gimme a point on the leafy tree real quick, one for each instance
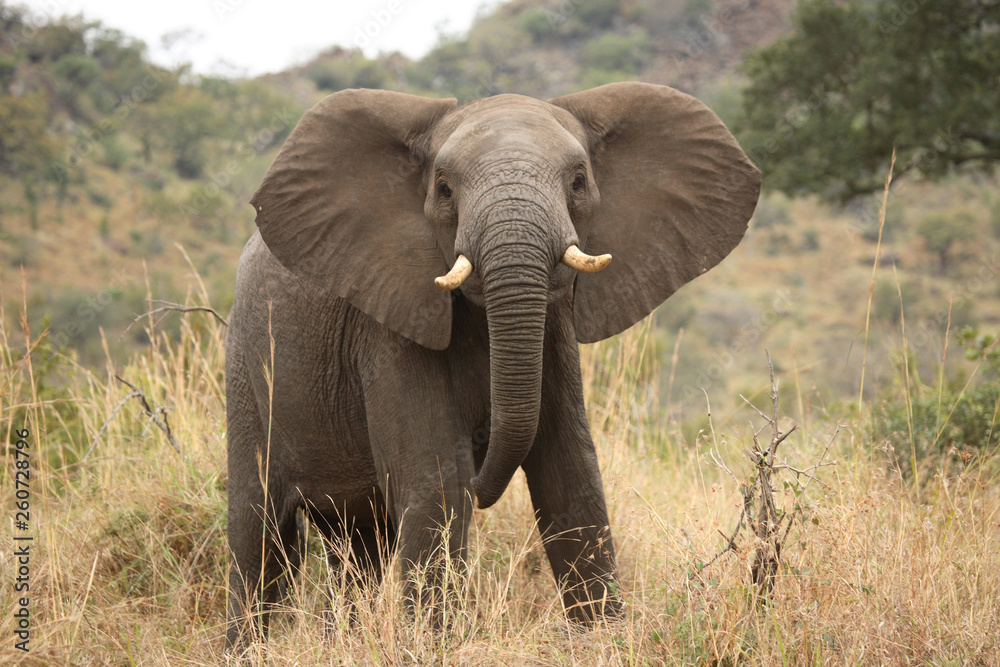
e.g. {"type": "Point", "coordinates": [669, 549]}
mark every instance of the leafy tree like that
{"type": "Point", "coordinates": [825, 106]}
{"type": "Point", "coordinates": [613, 52]}
{"type": "Point", "coordinates": [126, 75]}
{"type": "Point", "coordinates": [74, 74]}
{"type": "Point", "coordinates": [185, 118]}
{"type": "Point", "coordinates": [25, 146]}
{"type": "Point", "coordinates": [597, 13]}
{"type": "Point", "coordinates": [941, 232]}
{"type": "Point", "coordinates": [347, 70]}
{"type": "Point", "coordinates": [582, 17]}
{"type": "Point", "coordinates": [54, 40]}
{"type": "Point", "coordinates": [27, 149]}
{"type": "Point", "coordinates": [77, 69]}
{"type": "Point", "coordinates": [257, 116]}
{"type": "Point", "coordinates": [8, 67]}
{"type": "Point", "coordinates": [539, 23]}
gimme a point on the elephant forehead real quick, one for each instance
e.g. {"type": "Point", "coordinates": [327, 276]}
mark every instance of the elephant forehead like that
{"type": "Point", "coordinates": [518, 126]}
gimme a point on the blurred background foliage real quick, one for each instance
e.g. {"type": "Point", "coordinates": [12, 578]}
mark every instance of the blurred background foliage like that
{"type": "Point", "coordinates": [108, 162]}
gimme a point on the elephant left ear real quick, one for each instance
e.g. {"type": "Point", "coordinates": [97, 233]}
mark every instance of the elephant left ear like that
{"type": "Point", "coordinates": [676, 192]}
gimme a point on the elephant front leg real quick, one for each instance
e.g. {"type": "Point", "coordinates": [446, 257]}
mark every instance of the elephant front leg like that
{"type": "Point", "coordinates": [566, 487]}
{"type": "Point", "coordinates": [568, 497]}
{"type": "Point", "coordinates": [422, 450]}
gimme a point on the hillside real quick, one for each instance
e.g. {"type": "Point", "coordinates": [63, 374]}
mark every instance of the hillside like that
{"type": "Point", "coordinates": [109, 163]}
{"type": "Point", "coordinates": [545, 48]}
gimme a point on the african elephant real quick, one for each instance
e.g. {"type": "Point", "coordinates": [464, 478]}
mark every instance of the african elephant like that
{"type": "Point", "coordinates": [360, 388]}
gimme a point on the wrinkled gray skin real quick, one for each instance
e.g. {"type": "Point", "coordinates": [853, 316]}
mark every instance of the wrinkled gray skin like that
{"type": "Point", "coordinates": [395, 406]}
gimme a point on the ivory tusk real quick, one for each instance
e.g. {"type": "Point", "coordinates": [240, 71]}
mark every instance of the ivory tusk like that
{"type": "Point", "coordinates": [457, 275]}
{"type": "Point", "coordinates": [581, 261]}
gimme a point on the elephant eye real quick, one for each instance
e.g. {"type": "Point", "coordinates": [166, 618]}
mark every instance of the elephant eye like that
{"type": "Point", "coordinates": [444, 190]}
{"type": "Point", "coordinates": [580, 183]}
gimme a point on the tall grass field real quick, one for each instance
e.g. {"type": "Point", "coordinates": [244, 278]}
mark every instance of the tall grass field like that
{"type": "Point", "coordinates": [127, 561]}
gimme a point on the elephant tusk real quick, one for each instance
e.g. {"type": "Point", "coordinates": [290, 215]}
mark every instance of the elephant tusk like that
{"type": "Point", "coordinates": [457, 275]}
{"type": "Point", "coordinates": [581, 261]}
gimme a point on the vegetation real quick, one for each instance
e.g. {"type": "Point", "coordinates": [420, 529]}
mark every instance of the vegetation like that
{"type": "Point", "coordinates": [122, 182]}
{"type": "Point", "coordinates": [130, 562]}
{"type": "Point", "coordinates": [951, 421]}
{"type": "Point", "coordinates": [825, 105]}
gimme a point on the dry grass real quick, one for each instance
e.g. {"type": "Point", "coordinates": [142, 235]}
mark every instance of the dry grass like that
{"type": "Point", "coordinates": [128, 563]}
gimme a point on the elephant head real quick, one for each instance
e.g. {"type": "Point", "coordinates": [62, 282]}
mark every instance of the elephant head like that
{"type": "Point", "coordinates": [375, 194]}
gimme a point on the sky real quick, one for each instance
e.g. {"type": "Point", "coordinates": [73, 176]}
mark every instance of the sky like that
{"type": "Point", "coordinates": [252, 37]}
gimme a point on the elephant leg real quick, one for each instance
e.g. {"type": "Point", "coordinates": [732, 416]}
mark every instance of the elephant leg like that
{"type": "Point", "coordinates": [261, 549]}
{"type": "Point", "coordinates": [371, 549]}
{"type": "Point", "coordinates": [566, 488]}
{"type": "Point", "coordinates": [263, 553]}
{"type": "Point", "coordinates": [360, 569]}
{"type": "Point", "coordinates": [423, 455]}
{"type": "Point", "coordinates": [567, 494]}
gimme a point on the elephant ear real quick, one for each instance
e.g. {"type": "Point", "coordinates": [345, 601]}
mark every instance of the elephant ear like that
{"type": "Point", "coordinates": [676, 194]}
{"type": "Point", "coordinates": [342, 205]}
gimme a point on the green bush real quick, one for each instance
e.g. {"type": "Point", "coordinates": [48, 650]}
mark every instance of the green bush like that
{"type": "Point", "coordinates": [99, 198]}
{"type": "Point", "coordinates": [612, 52]}
{"type": "Point", "coordinates": [599, 77]}
{"type": "Point", "coordinates": [341, 73]}
{"type": "Point", "coordinates": [885, 301]}
{"type": "Point", "coordinates": [189, 159]}
{"type": "Point", "coordinates": [55, 40]}
{"type": "Point", "coordinates": [597, 13]}
{"type": "Point", "coordinates": [810, 240]}
{"type": "Point", "coordinates": [959, 427]}
{"type": "Point", "coordinates": [995, 219]}
{"type": "Point", "coordinates": [538, 23]}
{"type": "Point", "coordinates": [772, 211]}
{"type": "Point", "coordinates": [695, 9]}
{"type": "Point", "coordinates": [928, 426]}
{"type": "Point", "coordinates": [943, 231]}
{"type": "Point", "coordinates": [8, 67]}
{"type": "Point", "coordinates": [23, 250]}
{"type": "Point", "coordinates": [114, 153]}
{"type": "Point", "coordinates": [78, 69]}
{"type": "Point", "coordinates": [893, 223]}
{"type": "Point", "coordinates": [499, 43]}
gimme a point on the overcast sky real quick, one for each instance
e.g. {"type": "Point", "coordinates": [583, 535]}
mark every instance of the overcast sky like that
{"type": "Point", "coordinates": [256, 36]}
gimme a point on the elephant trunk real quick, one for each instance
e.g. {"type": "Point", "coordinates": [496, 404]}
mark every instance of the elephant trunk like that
{"type": "Point", "coordinates": [515, 295]}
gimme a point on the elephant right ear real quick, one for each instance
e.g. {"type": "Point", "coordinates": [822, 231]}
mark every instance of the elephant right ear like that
{"type": "Point", "coordinates": [343, 205]}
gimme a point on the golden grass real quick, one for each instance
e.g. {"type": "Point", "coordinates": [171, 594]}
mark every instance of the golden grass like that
{"type": "Point", "coordinates": [128, 563]}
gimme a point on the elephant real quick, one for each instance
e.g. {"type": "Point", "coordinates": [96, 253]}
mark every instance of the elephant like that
{"type": "Point", "coordinates": [407, 317]}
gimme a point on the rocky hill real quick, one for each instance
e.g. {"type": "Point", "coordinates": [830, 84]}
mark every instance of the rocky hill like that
{"type": "Point", "coordinates": [546, 48]}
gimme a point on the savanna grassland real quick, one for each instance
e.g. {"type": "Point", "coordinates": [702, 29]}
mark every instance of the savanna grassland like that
{"type": "Point", "coordinates": [128, 560]}
{"type": "Point", "coordinates": [880, 316]}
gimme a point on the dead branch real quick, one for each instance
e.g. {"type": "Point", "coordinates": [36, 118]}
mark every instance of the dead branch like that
{"type": "Point", "coordinates": [152, 413]}
{"type": "Point", "coordinates": [768, 553]}
{"type": "Point", "coordinates": [767, 523]}
{"type": "Point", "coordinates": [107, 421]}
{"type": "Point", "coordinates": [798, 507]}
{"type": "Point", "coordinates": [170, 306]}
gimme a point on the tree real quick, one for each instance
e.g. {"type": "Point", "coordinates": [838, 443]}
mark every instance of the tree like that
{"type": "Point", "coordinates": [825, 106]}
{"type": "Point", "coordinates": [185, 119]}
{"type": "Point", "coordinates": [27, 149]}
{"type": "Point", "coordinates": [941, 231]}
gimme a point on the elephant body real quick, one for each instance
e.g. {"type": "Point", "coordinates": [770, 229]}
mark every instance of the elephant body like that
{"type": "Point", "coordinates": [387, 408]}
